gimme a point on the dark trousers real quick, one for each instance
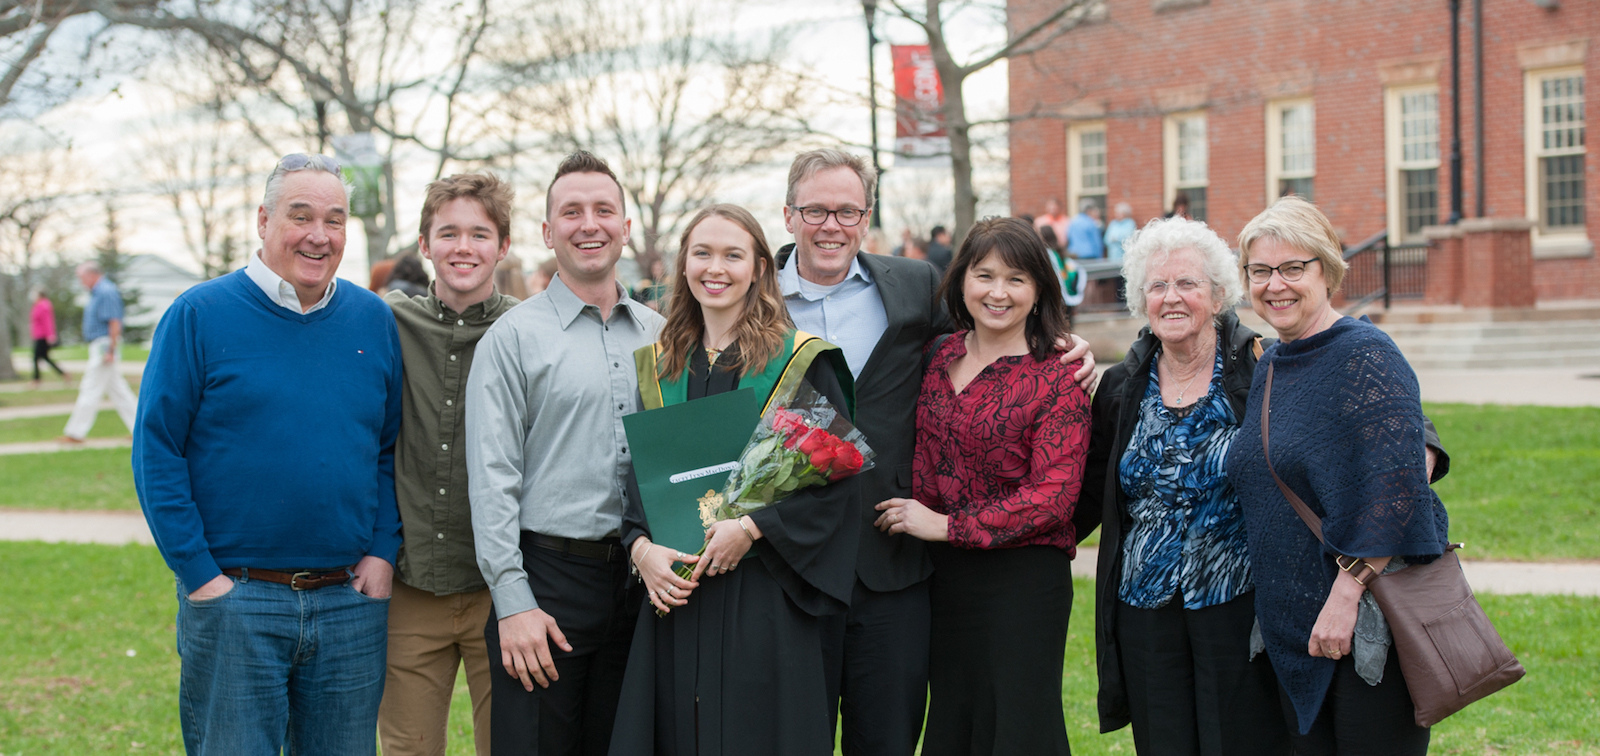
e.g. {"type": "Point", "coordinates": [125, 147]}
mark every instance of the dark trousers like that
{"type": "Point", "coordinates": [41, 351]}
{"type": "Point", "coordinates": [876, 659]}
{"type": "Point", "coordinates": [1192, 688]}
{"type": "Point", "coordinates": [1358, 719]}
{"type": "Point", "coordinates": [596, 604]}
{"type": "Point", "coordinates": [998, 645]}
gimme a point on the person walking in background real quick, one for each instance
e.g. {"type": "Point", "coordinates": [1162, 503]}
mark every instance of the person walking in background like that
{"type": "Point", "coordinates": [1118, 231]}
{"type": "Point", "coordinates": [43, 322]}
{"type": "Point", "coordinates": [939, 251]}
{"type": "Point", "coordinates": [441, 603]}
{"type": "Point", "coordinates": [102, 331]}
{"type": "Point", "coordinates": [408, 276]}
{"type": "Point", "coordinates": [550, 382]}
{"type": "Point", "coordinates": [1002, 432]}
{"type": "Point", "coordinates": [264, 462]}
{"type": "Point", "coordinates": [1084, 239]}
{"type": "Point", "coordinates": [1053, 218]}
{"type": "Point", "coordinates": [1180, 206]}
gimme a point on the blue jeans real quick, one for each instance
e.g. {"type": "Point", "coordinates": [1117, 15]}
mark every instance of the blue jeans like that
{"type": "Point", "coordinates": [268, 668]}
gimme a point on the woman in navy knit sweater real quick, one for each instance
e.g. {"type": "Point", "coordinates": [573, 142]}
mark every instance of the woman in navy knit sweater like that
{"type": "Point", "coordinates": [1347, 437]}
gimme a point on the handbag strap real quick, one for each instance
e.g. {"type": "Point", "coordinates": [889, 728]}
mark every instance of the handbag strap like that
{"type": "Point", "coordinates": [1310, 518]}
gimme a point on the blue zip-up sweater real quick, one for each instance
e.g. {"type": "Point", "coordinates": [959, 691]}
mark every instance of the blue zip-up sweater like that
{"type": "Point", "coordinates": [265, 437]}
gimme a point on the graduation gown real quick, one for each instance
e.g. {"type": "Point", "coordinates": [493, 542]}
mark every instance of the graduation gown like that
{"type": "Point", "coordinates": [739, 670]}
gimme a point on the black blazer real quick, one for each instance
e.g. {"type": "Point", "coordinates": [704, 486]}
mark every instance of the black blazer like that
{"type": "Point", "coordinates": [886, 411]}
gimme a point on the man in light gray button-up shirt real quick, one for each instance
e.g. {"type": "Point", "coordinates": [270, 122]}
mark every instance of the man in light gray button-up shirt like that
{"type": "Point", "coordinates": [546, 456]}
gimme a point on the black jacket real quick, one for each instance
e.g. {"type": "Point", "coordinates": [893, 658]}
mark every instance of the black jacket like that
{"type": "Point", "coordinates": [886, 411]}
{"type": "Point", "coordinates": [1103, 503]}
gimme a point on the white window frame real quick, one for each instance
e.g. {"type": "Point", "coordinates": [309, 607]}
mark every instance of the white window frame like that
{"type": "Point", "coordinates": [1275, 147]}
{"type": "Point", "coordinates": [1572, 241]}
{"type": "Point", "coordinates": [1075, 172]}
{"type": "Point", "coordinates": [1395, 159]}
{"type": "Point", "coordinates": [1173, 182]}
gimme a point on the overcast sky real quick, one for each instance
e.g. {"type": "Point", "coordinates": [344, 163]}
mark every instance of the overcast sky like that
{"type": "Point", "coordinates": [108, 124]}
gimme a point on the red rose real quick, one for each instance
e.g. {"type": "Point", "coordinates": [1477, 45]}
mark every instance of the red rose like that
{"type": "Point", "coordinates": [812, 442]}
{"type": "Point", "coordinates": [822, 457]}
{"type": "Point", "coordinates": [847, 462]}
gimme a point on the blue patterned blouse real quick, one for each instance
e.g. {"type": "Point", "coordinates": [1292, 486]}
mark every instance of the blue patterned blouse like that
{"type": "Point", "coordinates": [1187, 533]}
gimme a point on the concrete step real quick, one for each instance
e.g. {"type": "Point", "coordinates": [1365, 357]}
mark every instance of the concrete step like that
{"type": "Point", "coordinates": [1548, 359]}
{"type": "Point", "coordinates": [1555, 328]}
{"type": "Point", "coordinates": [1420, 344]}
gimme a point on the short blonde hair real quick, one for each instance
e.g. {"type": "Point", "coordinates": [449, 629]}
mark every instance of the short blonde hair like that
{"type": "Point", "coordinates": [1162, 237]}
{"type": "Point", "coordinates": [1299, 224]}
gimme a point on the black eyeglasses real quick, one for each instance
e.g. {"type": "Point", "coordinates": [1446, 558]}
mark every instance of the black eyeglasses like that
{"type": "Point", "coordinates": [299, 160]}
{"type": "Point", "coordinates": [1291, 270]}
{"type": "Point", "coordinates": [816, 216]}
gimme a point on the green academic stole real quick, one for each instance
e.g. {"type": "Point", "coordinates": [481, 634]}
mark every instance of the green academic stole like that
{"type": "Point", "coordinates": [779, 378]}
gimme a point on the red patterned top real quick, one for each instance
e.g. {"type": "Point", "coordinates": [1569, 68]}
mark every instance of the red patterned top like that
{"type": "Point", "coordinates": [1004, 458]}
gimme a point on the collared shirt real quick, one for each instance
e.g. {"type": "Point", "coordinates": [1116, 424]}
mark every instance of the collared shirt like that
{"type": "Point", "coordinates": [549, 386]}
{"type": "Point", "coordinates": [281, 291]}
{"type": "Point", "coordinates": [437, 344]}
{"type": "Point", "coordinates": [848, 314]}
{"type": "Point", "coordinates": [105, 305]}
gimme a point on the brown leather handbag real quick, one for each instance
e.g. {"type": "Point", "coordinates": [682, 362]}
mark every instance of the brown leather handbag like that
{"type": "Point", "coordinates": [1450, 654]}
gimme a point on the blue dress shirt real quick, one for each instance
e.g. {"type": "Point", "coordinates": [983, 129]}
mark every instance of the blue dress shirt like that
{"type": "Point", "coordinates": [848, 314]}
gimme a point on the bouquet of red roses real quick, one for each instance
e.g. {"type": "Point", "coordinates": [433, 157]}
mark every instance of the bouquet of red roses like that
{"type": "Point", "coordinates": [798, 444]}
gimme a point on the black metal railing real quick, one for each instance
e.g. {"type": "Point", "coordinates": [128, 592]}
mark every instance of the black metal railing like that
{"type": "Point", "coordinates": [1381, 271]}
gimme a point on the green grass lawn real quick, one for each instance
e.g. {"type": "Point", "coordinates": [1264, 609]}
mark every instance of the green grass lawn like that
{"type": "Point", "coordinates": [51, 392]}
{"type": "Point", "coordinates": [106, 425]}
{"type": "Point", "coordinates": [130, 353]}
{"type": "Point", "coordinates": [86, 479]}
{"type": "Point", "coordinates": [1524, 481]}
{"type": "Point", "coordinates": [90, 666]}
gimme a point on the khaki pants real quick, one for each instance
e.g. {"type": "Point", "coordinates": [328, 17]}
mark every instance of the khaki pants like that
{"type": "Point", "coordinates": [429, 638]}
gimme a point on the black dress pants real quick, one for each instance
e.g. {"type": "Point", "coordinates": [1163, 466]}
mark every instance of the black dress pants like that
{"type": "Point", "coordinates": [876, 659]}
{"type": "Point", "coordinates": [41, 351]}
{"type": "Point", "coordinates": [596, 604]}
{"type": "Point", "coordinates": [1358, 719]}
{"type": "Point", "coordinates": [1192, 688]}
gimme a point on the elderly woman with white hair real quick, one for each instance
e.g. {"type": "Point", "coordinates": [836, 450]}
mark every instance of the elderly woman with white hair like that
{"type": "Point", "coordinates": [1174, 601]}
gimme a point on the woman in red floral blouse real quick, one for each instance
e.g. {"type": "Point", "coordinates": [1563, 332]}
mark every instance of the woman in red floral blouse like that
{"type": "Point", "coordinates": [1002, 433]}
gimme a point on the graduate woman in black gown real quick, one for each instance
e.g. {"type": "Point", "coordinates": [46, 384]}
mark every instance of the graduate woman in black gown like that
{"type": "Point", "coordinates": [735, 665]}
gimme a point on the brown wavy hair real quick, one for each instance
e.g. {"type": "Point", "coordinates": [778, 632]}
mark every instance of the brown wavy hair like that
{"type": "Point", "coordinates": [1018, 246]}
{"type": "Point", "coordinates": [762, 327]}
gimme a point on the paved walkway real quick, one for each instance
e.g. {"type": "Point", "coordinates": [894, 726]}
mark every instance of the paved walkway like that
{"type": "Point", "coordinates": [41, 410]}
{"type": "Point", "coordinates": [37, 447]}
{"type": "Point", "coordinates": [116, 528]}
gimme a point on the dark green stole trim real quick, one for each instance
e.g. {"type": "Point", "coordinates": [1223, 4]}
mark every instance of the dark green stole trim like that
{"type": "Point", "coordinates": [780, 377]}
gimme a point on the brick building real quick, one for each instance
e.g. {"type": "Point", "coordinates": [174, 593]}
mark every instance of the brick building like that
{"type": "Point", "coordinates": [1233, 102]}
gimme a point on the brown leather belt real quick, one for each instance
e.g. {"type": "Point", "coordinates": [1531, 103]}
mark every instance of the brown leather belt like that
{"type": "Point", "coordinates": [608, 550]}
{"type": "Point", "coordinates": [304, 580]}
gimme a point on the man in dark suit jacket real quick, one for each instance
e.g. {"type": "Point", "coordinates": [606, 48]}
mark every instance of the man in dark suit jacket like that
{"type": "Point", "coordinates": [880, 311]}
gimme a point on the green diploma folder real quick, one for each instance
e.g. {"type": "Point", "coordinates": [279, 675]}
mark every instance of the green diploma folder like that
{"type": "Point", "coordinates": [682, 453]}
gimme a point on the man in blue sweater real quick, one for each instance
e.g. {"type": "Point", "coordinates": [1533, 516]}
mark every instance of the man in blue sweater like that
{"type": "Point", "coordinates": [264, 461]}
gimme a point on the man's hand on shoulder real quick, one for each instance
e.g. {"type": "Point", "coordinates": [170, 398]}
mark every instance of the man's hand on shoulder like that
{"type": "Point", "coordinates": [525, 640]}
{"type": "Point", "coordinates": [374, 577]}
{"type": "Point", "coordinates": [214, 588]}
{"type": "Point", "coordinates": [1078, 349]}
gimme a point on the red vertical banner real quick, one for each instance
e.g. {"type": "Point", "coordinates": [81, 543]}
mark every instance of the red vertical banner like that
{"type": "Point", "coordinates": [919, 106]}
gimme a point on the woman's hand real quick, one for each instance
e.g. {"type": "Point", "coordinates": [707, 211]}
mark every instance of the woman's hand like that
{"type": "Point", "coordinates": [654, 563]}
{"type": "Point", "coordinates": [726, 544]}
{"type": "Point", "coordinates": [909, 516]}
{"type": "Point", "coordinates": [1330, 637]}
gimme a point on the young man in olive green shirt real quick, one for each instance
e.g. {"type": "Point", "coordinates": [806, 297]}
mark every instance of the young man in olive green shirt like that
{"type": "Point", "coordinates": [441, 603]}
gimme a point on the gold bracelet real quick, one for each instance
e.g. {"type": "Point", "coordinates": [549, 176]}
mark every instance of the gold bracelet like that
{"type": "Point", "coordinates": [746, 530]}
